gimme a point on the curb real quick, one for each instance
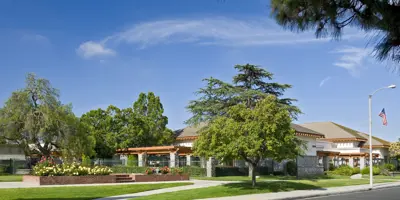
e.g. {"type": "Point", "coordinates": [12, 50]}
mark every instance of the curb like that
{"type": "Point", "coordinates": [378, 187]}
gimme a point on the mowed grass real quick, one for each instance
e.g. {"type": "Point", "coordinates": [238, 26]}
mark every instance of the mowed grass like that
{"type": "Point", "coordinates": [80, 192]}
{"type": "Point", "coordinates": [11, 178]}
{"type": "Point", "coordinates": [263, 178]}
{"type": "Point", "coordinates": [243, 188]}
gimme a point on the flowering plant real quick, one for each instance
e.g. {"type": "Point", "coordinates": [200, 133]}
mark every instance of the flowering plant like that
{"type": "Point", "coordinates": [165, 170]}
{"type": "Point", "coordinates": [149, 171]}
{"type": "Point", "coordinates": [178, 170]}
{"type": "Point", "coordinates": [70, 170]}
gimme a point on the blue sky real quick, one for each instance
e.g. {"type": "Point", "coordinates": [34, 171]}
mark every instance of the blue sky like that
{"type": "Point", "coordinates": [102, 52]}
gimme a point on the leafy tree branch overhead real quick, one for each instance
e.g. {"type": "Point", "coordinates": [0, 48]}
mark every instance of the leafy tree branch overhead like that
{"type": "Point", "coordinates": [330, 17]}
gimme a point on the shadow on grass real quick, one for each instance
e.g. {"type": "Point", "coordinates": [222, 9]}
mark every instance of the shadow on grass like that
{"type": "Point", "coordinates": [310, 178]}
{"type": "Point", "coordinates": [59, 198]}
{"type": "Point", "coordinates": [274, 186]}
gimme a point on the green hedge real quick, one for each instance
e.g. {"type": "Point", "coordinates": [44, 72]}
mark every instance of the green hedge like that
{"type": "Point", "coordinates": [191, 170]}
{"type": "Point", "coordinates": [390, 167]}
{"type": "Point", "coordinates": [375, 170]}
{"type": "Point", "coordinates": [243, 171]}
{"type": "Point", "coordinates": [127, 169]}
{"type": "Point", "coordinates": [231, 171]}
{"type": "Point", "coordinates": [4, 169]}
{"type": "Point", "coordinates": [194, 171]}
{"type": "Point", "coordinates": [343, 170]}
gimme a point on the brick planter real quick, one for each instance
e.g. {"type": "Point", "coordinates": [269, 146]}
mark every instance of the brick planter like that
{"type": "Point", "coordinates": [64, 180]}
{"type": "Point", "coordinates": [154, 177]}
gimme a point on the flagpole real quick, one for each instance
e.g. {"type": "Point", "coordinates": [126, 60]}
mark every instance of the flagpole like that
{"type": "Point", "coordinates": [370, 132]}
{"type": "Point", "coordinates": [370, 141]}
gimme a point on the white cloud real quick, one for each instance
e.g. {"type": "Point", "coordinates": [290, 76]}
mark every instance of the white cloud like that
{"type": "Point", "coordinates": [324, 81]}
{"type": "Point", "coordinates": [211, 31]}
{"type": "Point", "coordinates": [35, 38]}
{"type": "Point", "coordinates": [352, 58]}
{"type": "Point", "coordinates": [90, 49]}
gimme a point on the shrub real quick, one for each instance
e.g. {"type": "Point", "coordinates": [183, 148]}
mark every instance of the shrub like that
{"type": "Point", "coordinates": [132, 161]}
{"type": "Point", "coordinates": [356, 170]}
{"type": "Point", "coordinates": [291, 168]}
{"type": "Point", "coordinates": [86, 161]}
{"type": "Point", "coordinates": [389, 167]}
{"type": "Point", "coordinates": [3, 169]}
{"type": "Point", "coordinates": [149, 171]}
{"type": "Point", "coordinates": [331, 167]}
{"type": "Point", "coordinates": [178, 170]}
{"type": "Point", "coordinates": [127, 169]}
{"type": "Point", "coordinates": [343, 170]}
{"type": "Point", "coordinates": [375, 171]}
{"type": "Point", "coordinates": [165, 170]}
{"type": "Point", "coordinates": [194, 171]}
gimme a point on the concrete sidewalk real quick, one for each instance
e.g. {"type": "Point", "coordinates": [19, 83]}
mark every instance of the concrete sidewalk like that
{"type": "Point", "coordinates": [6, 185]}
{"type": "Point", "coordinates": [300, 194]}
{"type": "Point", "coordinates": [197, 184]}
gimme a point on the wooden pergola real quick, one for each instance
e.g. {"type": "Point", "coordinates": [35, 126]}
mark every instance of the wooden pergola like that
{"type": "Point", "coordinates": [156, 150]}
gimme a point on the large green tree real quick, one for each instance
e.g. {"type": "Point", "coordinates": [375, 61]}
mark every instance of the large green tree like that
{"type": "Point", "coordinates": [35, 119]}
{"type": "Point", "coordinates": [149, 112]}
{"type": "Point", "coordinates": [141, 125]}
{"type": "Point", "coordinates": [330, 17]}
{"type": "Point", "coordinates": [251, 134]}
{"type": "Point", "coordinates": [250, 85]}
{"type": "Point", "coordinates": [103, 127]}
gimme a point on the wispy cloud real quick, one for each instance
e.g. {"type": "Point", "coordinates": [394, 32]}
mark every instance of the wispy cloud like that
{"type": "Point", "coordinates": [208, 31]}
{"type": "Point", "coordinates": [352, 58]}
{"type": "Point", "coordinates": [90, 49]}
{"type": "Point", "coordinates": [35, 38]}
{"type": "Point", "coordinates": [324, 81]}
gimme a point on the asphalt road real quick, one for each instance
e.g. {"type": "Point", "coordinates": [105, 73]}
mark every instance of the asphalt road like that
{"type": "Point", "coordinates": [381, 194]}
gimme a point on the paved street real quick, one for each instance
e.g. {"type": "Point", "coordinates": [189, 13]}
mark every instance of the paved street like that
{"type": "Point", "coordinates": [382, 194]}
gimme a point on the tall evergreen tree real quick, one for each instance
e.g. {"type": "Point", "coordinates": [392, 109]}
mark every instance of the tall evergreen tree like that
{"type": "Point", "coordinates": [149, 111]}
{"type": "Point", "coordinates": [330, 17]}
{"type": "Point", "coordinates": [250, 85]}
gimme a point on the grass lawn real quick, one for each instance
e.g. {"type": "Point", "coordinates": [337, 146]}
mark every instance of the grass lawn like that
{"type": "Point", "coordinates": [246, 178]}
{"type": "Point", "coordinates": [78, 192]}
{"type": "Point", "coordinates": [244, 188]}
{"type": "Point", "coordinates": [11, 178]}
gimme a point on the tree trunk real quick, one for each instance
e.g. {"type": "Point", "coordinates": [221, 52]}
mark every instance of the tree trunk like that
{"type": "Point", "coordinates": [252, 173]}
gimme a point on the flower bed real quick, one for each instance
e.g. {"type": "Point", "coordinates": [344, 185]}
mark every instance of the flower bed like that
{"type": "Point", "coordinates": [46, 172]}
{"type": "Point", "coordinates": [161, 174]}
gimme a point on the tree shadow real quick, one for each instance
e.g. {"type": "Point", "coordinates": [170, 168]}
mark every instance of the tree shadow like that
{"type": "Point", "coordinates": [273, 186]}
{"type": "Point", "coordinates": [58, 198]}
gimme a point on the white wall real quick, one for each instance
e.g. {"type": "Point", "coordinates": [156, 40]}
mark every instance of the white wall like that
{"type": "Point", "coordinates": [311, 143]}
{"type": "Point", "coordinates": [345, 144]}
{"type": "Point", "coordinates": [186, 143]}
{"type": "Point", "coordinates": [381, 151]}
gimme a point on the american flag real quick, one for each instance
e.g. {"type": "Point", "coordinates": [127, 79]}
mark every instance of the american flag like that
{"type": "Point", "coordinates": [383, 115]}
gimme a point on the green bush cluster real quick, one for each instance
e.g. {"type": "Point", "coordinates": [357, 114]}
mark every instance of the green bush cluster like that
{"type": "Point", "coordinates": [190, 170]}
{"type": "Point", "coordinates": [132, 161]}
{"type": "Point", "coordinates": [345, 170]}
{"type": "Point", "coordinates": [86, 162]}
{"type": "Point", "coordinates": [128, 170]}
{"type": "Point", "coordinates": [390, 167]}
{"type": "Point", "coordinates": [375, 170]}
{"type": "Point", "coordinates": [291, 168]}
{"type": "Point", "coordinates": [4, 169]}
{"type": "Point", "coordinates": [194, 171]}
